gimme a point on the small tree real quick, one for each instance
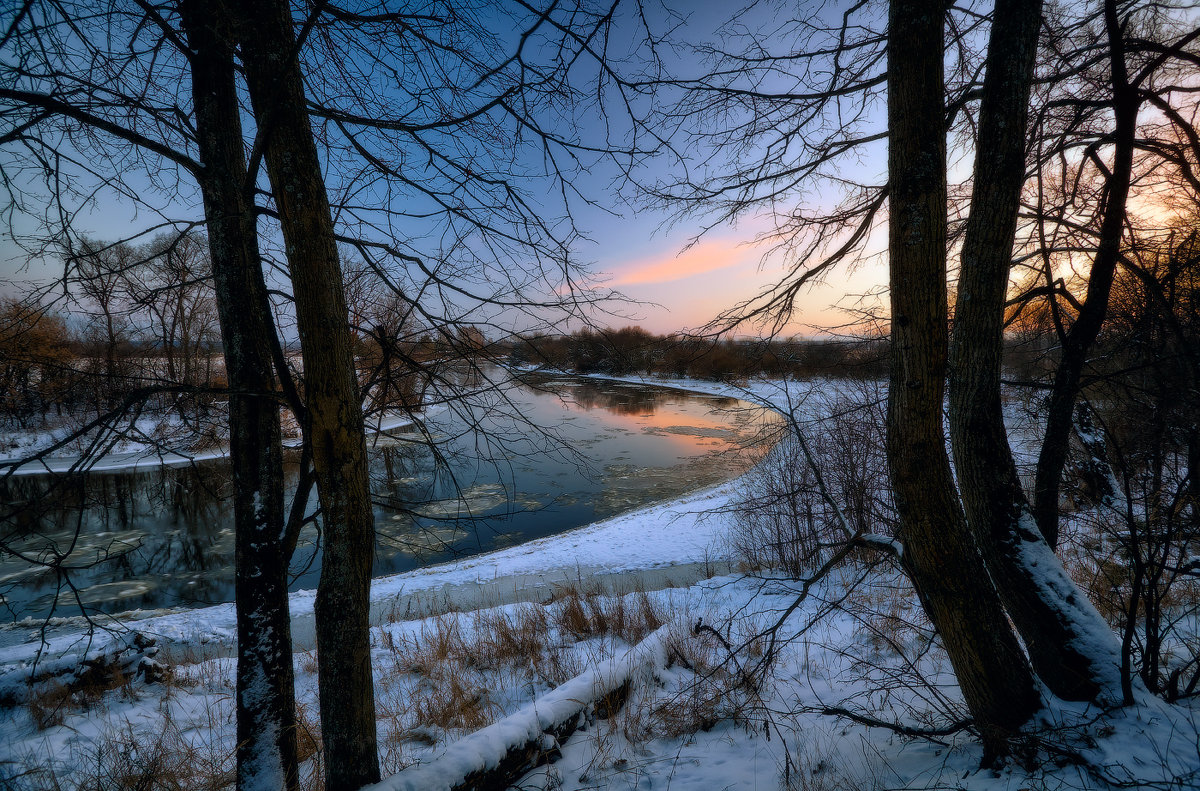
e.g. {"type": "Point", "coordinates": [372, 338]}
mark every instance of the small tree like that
{"type": "Point", "coordinates": [98, 275]}
{"type": "Point", "coordinates": [174, 287]}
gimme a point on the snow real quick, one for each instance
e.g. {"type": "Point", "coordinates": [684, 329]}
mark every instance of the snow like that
{"type": "Point", "coordinates": [128, 454]}
{"type": "Point", "coordinates": [869, 652]}
{"type": "Point", "coordinates": [485, 748]}
{"type": "Point", "coordinates": [1096, 641]}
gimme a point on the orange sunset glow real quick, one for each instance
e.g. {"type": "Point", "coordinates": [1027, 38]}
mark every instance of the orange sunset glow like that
{"type": "Point", "coordinates": [684, 287]}
{"type": "Point", "coordinates": [706, 255]}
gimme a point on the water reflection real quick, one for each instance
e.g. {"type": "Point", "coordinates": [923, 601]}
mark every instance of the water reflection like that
{"type": "Point", "coordinates": [142, 539]}
{"type": "Point", "coordinates": [164, 538]}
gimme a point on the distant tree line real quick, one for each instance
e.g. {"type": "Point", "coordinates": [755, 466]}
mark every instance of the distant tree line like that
{"type": "Point", "coordinates": [633, 350]}
{"type": "Point", "coordinates": [35, 350]}
{"type": "Point", "coordinates": [127, 318]}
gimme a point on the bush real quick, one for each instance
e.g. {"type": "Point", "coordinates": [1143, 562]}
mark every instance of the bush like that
{"type": "Point", "coordinates": [784, 521]}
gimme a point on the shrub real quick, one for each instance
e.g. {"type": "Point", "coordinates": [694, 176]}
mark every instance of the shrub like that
{"type": "Point", "coordinates": [784, 521]}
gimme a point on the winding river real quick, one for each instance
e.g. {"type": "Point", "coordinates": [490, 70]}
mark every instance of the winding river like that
{"type": "Point", "coordinates": [528, 460]}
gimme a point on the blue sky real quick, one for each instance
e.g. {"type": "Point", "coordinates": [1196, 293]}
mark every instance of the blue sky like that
{"type": "Point", "coordinates": [642, 250]}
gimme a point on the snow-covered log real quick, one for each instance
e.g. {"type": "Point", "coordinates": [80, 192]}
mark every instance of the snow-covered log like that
{"type": "Point", "coordinates": [103, 667]}
{"type": "Point", "coordinates": [496, 756]}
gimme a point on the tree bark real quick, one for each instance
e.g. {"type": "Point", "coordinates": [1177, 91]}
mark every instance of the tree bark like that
{"type": "Point", "coordinates": [939, 554]}
{"type": "Point", "coordinates": [266, 705]}
{"type": "Point", "coordinates": [1064, 635]}
{"type": "Point", "coordinates": [335, 424]}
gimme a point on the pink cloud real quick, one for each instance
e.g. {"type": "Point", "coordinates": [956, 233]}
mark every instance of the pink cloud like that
{"type": "Point", "coordinates": [707, 255]}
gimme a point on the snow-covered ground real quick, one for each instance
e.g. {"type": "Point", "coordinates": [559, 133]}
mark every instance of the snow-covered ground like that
{"type": "Point", "coordinates": [144, 444]}
{"type": "Point", "coordinates": [694, 719]}
{"type": "Point", "coordinates": [137, 441]}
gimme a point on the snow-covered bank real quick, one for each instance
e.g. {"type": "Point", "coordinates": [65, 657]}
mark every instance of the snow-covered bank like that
{"type": "Point", "coordinates": [144, 455]}
{"type": "Point", "coordinates": [688, 723]}
{"type": "Point", "coordinates": [663, 545]}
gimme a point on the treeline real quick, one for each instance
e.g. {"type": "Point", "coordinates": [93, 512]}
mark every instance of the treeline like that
{"type": "Point", "coordinates": [36, 351]}
{"type": "Point", "coordinates": [633, 350]}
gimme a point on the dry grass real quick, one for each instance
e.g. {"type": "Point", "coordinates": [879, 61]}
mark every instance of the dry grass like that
{"type": "Point", "coordinates": [439, 680]}
{"type": "Point", "coordinates": [167, 755]}
{"type": "Point", "coordinates": [308, 735]}
{"type": "Point", "coordinates": [453, 674]}
{"type": "Point", "coordinates": [129, 760]}
{"type": "Point", "coordinates": [308, 749]}
{"type": "Point", "coordinates": [813, 771]}
{"type": "Point", "coordinates": [501, 639]}
{"type": "Point", "coordinates": [711, 691]}
{"type": "Point", "coordinates": [587, 615]}
{"type": "Point", "coordinates": [308, 661]}
{"type": "Point", "coordinates": [49, 706]}
{"type": "Point", "coordinates": [442, 678]}
{"type": "Point", "coordinates": [699, 689]}
{"type": "Point", "coordinates": [49, 701]}
{"type": "Point", "coordinates": [457, 703]}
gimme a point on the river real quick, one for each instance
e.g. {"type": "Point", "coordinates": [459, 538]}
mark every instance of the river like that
{"type": "Point", "coordinates": [529, 460]}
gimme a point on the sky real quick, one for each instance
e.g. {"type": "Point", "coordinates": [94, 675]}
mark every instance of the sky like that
{"type": "Point", "coordinates": [647, 253]}
{"type": "Point", "coordinates": [684, 281]}
{"type": "Point", "coordinates": [679, 283]}
{"type": "Point", "coordinates": [685, 286]}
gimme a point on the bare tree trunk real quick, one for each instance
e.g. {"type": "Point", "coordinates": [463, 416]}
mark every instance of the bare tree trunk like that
{"type": "Point", "coordinates": [1083, 332]}
{"type": "Point", "coordinates": [335, 424]}
{"type": "Point", "coordinates": [266, 705]}
{"type": "Point", "coordinates": [939, 553]}
{"type": "Point", "coordinates": [1064, 635]}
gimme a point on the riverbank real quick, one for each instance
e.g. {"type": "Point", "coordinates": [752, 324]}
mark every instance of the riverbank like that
{"type": "Point", "coordinates": [663, 545]}
{"type": "Point", "coordinates": [666, 544]}
{"type": "Point", "coordinates": [538, 459]}
{"type": "Point", "coordinates": [130, 454]}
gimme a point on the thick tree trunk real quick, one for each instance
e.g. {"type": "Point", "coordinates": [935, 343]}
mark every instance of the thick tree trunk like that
{"type": "Point", "coordinates": [1083, 332]}
{"type": "Point", "coordinates": [335, 424]}
{"type": "Point", "coordinates": [939, 554]}
{"type": "Point", "coordinates": [266, 704]}
{"type": "Point", "coordinates": [1071, 647]}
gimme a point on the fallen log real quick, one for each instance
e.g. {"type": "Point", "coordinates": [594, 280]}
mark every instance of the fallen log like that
{"type": "Point", "coordinates": [494, 757]}
{"type": "Point", "coordinates": [124, 658]}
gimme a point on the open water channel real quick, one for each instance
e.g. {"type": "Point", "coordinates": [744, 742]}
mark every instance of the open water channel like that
{"type": "Point", "coordinates": [530, 460]}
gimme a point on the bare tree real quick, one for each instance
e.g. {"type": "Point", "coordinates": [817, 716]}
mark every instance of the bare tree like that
{"type": "Point", "coordinates": [1065, 637]}
{"type": "Point", "coordinates": [174, 288]}
{"type": "Point", "coordinates": [108, 84]}
{"type": "Point", "coordinates": [98, 276]}
{"type": "Point", "coordinates": [1119, 70]}
{"type": "Point", "coordinates": [491, 252]}
{"type": "Point", "coordinates": [1137, 474]}
{"type": "Point", "coordinates": [333, 419]}
{"type": "Point", "coordinates": [453, 137]}
{"type": "Point", "coordinates": [1070, 648]}
{"type": "Point", "coordinates": [266, 690]}
{"type": "Point", "coordinates": [796, 102]}
{"type": "Point", "coordinates": [940, 556]}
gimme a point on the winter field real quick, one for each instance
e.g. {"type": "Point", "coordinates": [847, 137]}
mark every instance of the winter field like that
{"type": "Point", "coordinates": [696, 661]}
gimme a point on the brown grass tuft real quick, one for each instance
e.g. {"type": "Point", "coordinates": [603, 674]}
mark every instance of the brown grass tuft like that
{"type": "Point", "coordinates": [592, 615]}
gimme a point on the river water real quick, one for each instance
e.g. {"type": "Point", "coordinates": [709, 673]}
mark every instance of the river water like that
{"type": "Point", "coordinates": [511, 465]}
